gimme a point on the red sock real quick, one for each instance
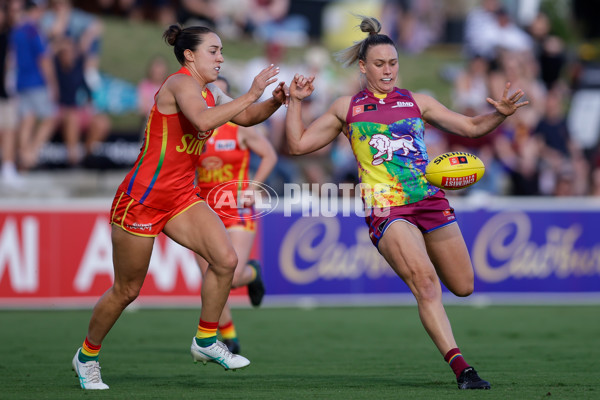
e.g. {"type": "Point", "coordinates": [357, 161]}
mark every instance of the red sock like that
{"type": "Point", "coordinates": [456, 361]}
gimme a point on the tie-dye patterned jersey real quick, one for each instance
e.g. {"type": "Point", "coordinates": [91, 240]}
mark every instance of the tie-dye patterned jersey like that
{"type": "Point", "coordinates": [386, 135]}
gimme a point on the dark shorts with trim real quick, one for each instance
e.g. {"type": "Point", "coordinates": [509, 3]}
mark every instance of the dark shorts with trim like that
{"type": "Point", "coordinates": [428, 215]}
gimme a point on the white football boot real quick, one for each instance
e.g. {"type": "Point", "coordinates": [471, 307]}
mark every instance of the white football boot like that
{"type": "Point", "coordinates": [88, 373]}
{"type": "Point", "coordinates": [218, 353]}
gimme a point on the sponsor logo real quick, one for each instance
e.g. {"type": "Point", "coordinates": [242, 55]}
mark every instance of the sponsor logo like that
{"type": "Point", "coordinates": [139, 227]}
{"type": "Point", "coordinates": [450, 182]}
{"type": "Point", "coordinates": [400, 104]}
{"type": "Point", "coordinates": [192, 145]}
{"type": "Point", "coordinates": [363, 108]}
{"type": "Point", "coordinates": [225, 145]}
{"type": "Point", "coordinates": [204, 135]}
{"type": "Point", "coordinates": [442, 157]}
{"type": "Point", "coordinates": [458, 160]}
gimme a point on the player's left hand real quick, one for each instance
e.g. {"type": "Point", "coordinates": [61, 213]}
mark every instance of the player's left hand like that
{"type": "Point", "coordinates": [508, 105]}
{"type": "Point", "coordinates": [301, 86]}
{"type": "Point", "coordinates": [281, 93]}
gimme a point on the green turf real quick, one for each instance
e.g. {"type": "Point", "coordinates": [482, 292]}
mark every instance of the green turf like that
{"type": "Point", "coordinates": [325, 353]}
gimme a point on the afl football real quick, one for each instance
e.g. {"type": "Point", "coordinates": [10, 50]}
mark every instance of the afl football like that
{"type": "Point", "coordinates": [454, 170]}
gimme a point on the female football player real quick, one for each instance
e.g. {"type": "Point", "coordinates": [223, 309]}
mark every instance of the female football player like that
{"type": "Point", "coordinates": [159, 195]}
{"type": "Point", "coordinates": [410, 221]}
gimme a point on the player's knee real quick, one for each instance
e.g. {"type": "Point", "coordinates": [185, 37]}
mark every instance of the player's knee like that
{"type": "Point", "coordinates": [464, 290]}
{"type": "Point", "coordinates": [427, 289]}
{"type": "Point", "coordinates": [227, 261]}
{"type": "Point", "coordinates": [127, 293]}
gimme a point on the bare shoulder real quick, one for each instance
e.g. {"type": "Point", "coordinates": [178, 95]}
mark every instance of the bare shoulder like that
{"type": "Point", "coordinates": [340, 107]}
{"type": "Point", "coordinates": [425, 102]}
{"type": "Point", "coordinates": [181, 82]}
{"type": "Point", "coordinates": [421, 98]}
{"type": "Point", "coordinates": [173, 90]}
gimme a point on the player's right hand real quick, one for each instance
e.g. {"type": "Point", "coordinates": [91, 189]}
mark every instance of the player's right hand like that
{"type": "Point", "coordinates": [262, 80]}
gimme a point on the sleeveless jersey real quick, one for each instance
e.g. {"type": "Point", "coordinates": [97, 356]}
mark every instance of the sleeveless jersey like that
{"type": "Point", "coordinates": [164, 172]}
{"type": "Point", "coordinates": [386, 135]}
{"type": "Point", "coordinates": [223, 160]}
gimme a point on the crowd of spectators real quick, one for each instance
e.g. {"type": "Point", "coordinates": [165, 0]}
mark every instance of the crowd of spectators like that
{"type": "Point", "coordinates": [549, 148]}
{"type": "Point", "coordinates": [50, 59]}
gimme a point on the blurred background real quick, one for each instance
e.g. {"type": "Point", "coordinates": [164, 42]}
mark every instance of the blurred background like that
{"type": "Point", "coordinates": [71, 127]}
{"type": "Point", "coordinates": [100, 63]}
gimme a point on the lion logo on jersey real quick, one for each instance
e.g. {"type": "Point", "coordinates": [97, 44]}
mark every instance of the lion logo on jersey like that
{"type": "Point", "coordinates": [386, 147]}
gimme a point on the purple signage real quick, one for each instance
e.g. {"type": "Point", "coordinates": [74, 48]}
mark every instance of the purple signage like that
{"type": "Point", "coordinates": [512, 251]}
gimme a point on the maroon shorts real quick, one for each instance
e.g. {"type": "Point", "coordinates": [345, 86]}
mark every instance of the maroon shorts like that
{"type": "Point", "coordinates": [428, 215]}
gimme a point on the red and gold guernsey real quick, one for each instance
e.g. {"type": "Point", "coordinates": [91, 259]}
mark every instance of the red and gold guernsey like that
{"type": "Point", "coordinates": [223, 160]}
{"type": "Point", "coordinates": [387, 137]}
{"type": "Point", "coordinates": [164, 172]}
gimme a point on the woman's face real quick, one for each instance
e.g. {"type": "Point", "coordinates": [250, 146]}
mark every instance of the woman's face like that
{"type": "Point", "coordinates": [208, 57]}
{"type": "Point", "coordinates": [380, 68]}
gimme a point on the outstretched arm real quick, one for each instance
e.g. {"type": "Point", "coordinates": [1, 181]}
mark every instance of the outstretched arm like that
{"type": "Point", "coordinates": [320, 132]}
{"type": "Point", "coordinates": [187, 97]}
{"type": "Point", "coordinates": [258, 112]}
{"type": "Point", "coordinates": [436, 114]}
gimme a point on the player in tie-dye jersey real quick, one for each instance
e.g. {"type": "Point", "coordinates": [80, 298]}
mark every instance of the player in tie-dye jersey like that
{"type": "Point", "coordinates": [159, 195]}
{"type": "Point", "coordinates": [410, 222]}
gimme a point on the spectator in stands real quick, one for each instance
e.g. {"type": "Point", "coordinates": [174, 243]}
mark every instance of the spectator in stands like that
{"type": "Point", "coordinates": [269, 20]}
{"type": "Point", "coordinates": [8, 113]}
{"type": "Point", "coordinates": [198, 12]}
{"type": "Point", "coordinates": [77, 35]}
{"type": "Point", "coordinates": [521, 69]}
{"type": "Point", "coordinates": [470, 88]}
{"type": "Point", "coordinates": [549, 50]}
{"type": "Point", "coordinates": [561, 156]}
{"type": "Point", "coordinates": [156, 74]}
{"type": "Point", "coordinates": [71, 85]}
{"type": "Point", "coordinates": [77, 111]}
{"type": "Point", "coordinates": [481, 28]}
{"type": "Point", "coordinates": [160, 11]}
{"type": "Point", "coordinates": [63, 20]}
{"type": "Point", "coordinates": [509, 36]}
{"type": "Point", "coordinates": [37, 88]}
{"type": "Point", "coordinates": [414, 24]}
{"type": "Point", "coordinates": [489, 28]}
{"type": "Point", "coordinates": [520, 155]}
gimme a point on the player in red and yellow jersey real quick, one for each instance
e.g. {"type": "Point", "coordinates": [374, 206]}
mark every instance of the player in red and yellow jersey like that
{"type": "Point", "coordinates": [159, 195]}
{"type": "Point", "coordinates": [223, 170]}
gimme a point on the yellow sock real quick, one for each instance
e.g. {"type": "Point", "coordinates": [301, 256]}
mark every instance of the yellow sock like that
{"type": "Point", "coordinates": [228, 331]}
{"type": "Point", "coordinates": [207, 333]}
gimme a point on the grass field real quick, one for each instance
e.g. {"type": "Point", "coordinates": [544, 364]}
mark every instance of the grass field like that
{"type": "Point", "coordinates": [324, 353]}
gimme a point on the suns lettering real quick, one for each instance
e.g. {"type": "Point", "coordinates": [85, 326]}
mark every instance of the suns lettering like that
{"type": "Point", "coordinates": [190, 145]}
{"type": "Point", "coordinates": [217, 175]}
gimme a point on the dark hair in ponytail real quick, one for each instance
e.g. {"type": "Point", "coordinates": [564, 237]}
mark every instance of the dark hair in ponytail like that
{"type": "Point", "coordinates": [183, 39]}
{"type": "Point", "coordinates": [358, 51]}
